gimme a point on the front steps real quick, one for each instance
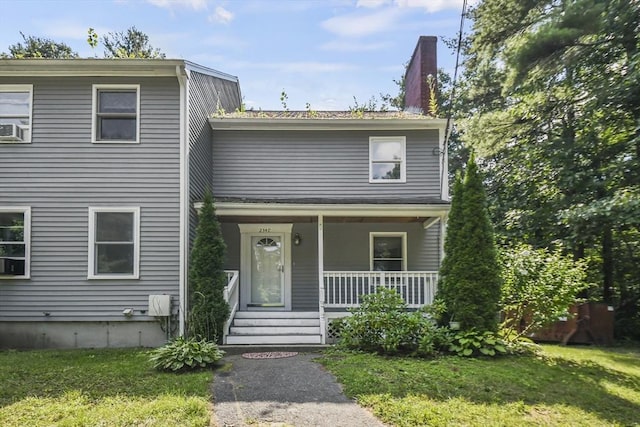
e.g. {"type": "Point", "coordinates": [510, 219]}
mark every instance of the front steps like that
{"type": "Point", "coordinates": [274, 327]}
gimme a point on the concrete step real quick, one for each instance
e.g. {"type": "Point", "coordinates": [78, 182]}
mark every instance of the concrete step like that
{"type": "Point", "coordinates": [275, 330]}
{"type": "Point", "coordinates": [276, 322]}
{"type": "Point", "coordinates": [272, 339]}
{"type": "Point", "coordinates": [277, 315]}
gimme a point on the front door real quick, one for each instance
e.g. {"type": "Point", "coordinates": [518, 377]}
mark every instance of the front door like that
{"type": "Point", "coordinates": [267, 271]}
{"type": "Point", "coordinates": [265, 266]}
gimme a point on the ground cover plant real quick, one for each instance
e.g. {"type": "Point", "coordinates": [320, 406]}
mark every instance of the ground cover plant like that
{"type": "Point", "coordinates": [560, 386]}
{"type": "Point", "coordinates": [98, 387]}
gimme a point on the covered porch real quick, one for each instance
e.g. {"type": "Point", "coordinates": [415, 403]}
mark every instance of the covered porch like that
{"type": "Point", "coordinates": [294, 266]}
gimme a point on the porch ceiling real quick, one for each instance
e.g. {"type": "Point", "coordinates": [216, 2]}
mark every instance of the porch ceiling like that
{"type": "Point", "coordinates": [314, 219]}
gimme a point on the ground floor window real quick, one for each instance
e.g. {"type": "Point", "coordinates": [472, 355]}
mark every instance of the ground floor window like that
{"type": "Point", "coordinates": [15, 237]}
{"type": "Point", "coordinates": [388, 251]}
{"type": "Point", "coordinates": [114, 236]}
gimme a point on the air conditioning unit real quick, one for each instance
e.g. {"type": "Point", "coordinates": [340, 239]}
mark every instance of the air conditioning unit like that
{"type": "Point", "coordinates": [11, 132]}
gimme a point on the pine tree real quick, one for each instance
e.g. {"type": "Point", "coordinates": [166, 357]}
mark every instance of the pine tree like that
{"type": "Point", "coordinates": [207, 279]}
{"type": "Point", "coordinates": [470, 272]}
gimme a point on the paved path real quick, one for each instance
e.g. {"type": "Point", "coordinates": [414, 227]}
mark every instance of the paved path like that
{"type": "Point", "coordinates": [293, 391]}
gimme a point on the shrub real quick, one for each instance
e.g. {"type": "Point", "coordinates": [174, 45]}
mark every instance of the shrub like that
{"type": "Point", "coordinates": [383, 325]}
{"type": "Point", "coordinates": [184, 354]}
{"type": "Point", "coordinates": [539, 287]}
{"type": "Point", "coordinates": [473, 343]}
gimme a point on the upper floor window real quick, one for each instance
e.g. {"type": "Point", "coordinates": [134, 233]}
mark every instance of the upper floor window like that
{"type": "Point", "coordinates": [15, 113]}
{"type": "Point", "coordinates": [387, 159]}
{"type": "Point", "coordinates": [15, 233]}
{"type": "Point", "coordinates": [116, 113]}
{"type": "Point", "coordinates": [388, 251]}
{"type": "Point", "coordinates": [114, 236]}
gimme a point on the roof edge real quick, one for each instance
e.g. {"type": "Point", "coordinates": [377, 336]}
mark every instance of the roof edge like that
{"type": "Point", "coordinates": [273, 123]}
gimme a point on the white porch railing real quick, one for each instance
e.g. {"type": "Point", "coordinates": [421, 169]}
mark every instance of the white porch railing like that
{"type": "Point", "coordinates": [232, 297]}
{"type": "Point", "coordinates": [345, 288]}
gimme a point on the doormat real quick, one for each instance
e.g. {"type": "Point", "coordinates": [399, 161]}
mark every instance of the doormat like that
{"type": "Point", "coordinates": [270, 355]}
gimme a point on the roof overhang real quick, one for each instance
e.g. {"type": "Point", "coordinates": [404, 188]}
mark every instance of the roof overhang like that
{"type": "Point", "coordinates": [275, 123]}
{"type": "Point", "coordinates": [93, 67]}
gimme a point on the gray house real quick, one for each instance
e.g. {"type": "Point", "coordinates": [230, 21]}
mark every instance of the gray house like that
{"type": "Point", "coordinates": [103, 165]}
{"type": "Point", "coordinates": [97, 161]}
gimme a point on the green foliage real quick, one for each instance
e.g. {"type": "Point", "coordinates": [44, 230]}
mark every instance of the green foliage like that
{"type": "Point", "coordinates": [128, 44]}
{"type": "Point", "coordinates": [92, 38]}
{"type": "Point", "coordinates": [382, 324]}
{"type": "Point", "coordinates": [472, 343]}
{"type": "Point", "coordinates": [184, 354]}
{"type": "Point", "coordinates": [283, 100]}
{"type": "Point", "coordinates": [38, 47]}
{"type": "Point", "coordinates": [470, 274]}
{"type": "Point", "coordinates": [208, 310]}
{"type": "Point", "coordinates": [539, 287]}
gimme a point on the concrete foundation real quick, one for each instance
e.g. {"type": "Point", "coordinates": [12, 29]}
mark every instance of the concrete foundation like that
{"type": "Point", "coordinates": [40, 335]}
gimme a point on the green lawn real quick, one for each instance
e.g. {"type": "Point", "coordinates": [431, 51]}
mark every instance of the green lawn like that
{"type": "Point", "coordinates": [98, 388]}
{"type": "Point", "coordinates": [566, 386]}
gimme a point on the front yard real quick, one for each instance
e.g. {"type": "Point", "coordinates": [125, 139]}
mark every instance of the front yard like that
{"type": "Point", "coordinates": [565, 386]}
{"type": "Point", "coordinates": [98, 388]}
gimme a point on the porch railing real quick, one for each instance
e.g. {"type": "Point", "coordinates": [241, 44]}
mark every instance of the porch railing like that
{"type": "Point", "coordinates": [232, 297]}
{"type": "Point", "coordinates": [345, 288]}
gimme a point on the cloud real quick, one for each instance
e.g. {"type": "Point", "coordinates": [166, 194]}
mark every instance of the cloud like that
{"type": "Point", "coordinates": [353, 46]}
{"type": "Point", "coordinates": [432, 6]}
{"type": "Point", "coordinates": [188, 4]}
{"type": "Point", "coordinates": [358, 24]}
{"type": "Point", "coordinates": [371, 3]}
{"type": "Point", "coordinates": [221, 15]}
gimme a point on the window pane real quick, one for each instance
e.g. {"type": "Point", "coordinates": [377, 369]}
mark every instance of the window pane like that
{"type": "Point", "coordinates": [12, 250]}
{"type": "Point", "coordinates": [114, 259]}
{"type": "Point", "coordinates": [11, 267]}
{"type": "Point", "coordinates": [385, 170]}
{"type": "Point", "coordinates": [117, 102]}
{"type": "Point", "coordinates": [11, 227]}
{"type": "Point", "coordinates": [391, 265]}
{"type": "Point", "coordinates": [123, 129]}
{"type": "Point", "coordinates": [387, 247]}
{"type": "Point", "coordinates": [14, 103]}
{"type": "Point", "coordinates": [386, 151]}
{"type": "Point", "coordinates": [114, 227]}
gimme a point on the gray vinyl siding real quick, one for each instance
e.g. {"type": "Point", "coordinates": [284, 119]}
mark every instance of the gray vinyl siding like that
{"type": "Point", "coordinates": [61, 174]}
{"type": "Point", "coordinates": [298, 164]}
{"type": "Point", "coordinates": [207, 94]}
{"type": "Point", "coordinates": [346, 248]}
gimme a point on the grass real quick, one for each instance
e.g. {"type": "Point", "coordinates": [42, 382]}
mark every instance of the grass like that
{"type": "Point", "coordinates": [567, 386]}
{"type": "Point", "coordinates": [98, 388]}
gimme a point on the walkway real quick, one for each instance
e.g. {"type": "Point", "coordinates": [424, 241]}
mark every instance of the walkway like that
{"type": "Point", "coordinates": [290, 391]}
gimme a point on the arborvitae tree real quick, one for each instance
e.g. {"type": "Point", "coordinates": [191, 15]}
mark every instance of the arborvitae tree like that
{"type": "Point", "coordinates": [471, 276]}
{"type": "Point", "coordinates": [207, 308]}
{"type": "Point", "coordinates": [451, 242]}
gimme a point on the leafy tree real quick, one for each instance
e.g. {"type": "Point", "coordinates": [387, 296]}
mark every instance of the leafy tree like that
{"type": "Point", "coordinates": [38, 47]}
{"type": "Point", "coordinates": [208, 311]}
{"type": "Point", "coordinates": [552, 104]}
{"type": "Point", "coordinates": [127, 44]}
{"type": "Point", "coordinates": [539, 287]}
{"type": "Point", "coordinates": [470, 272]}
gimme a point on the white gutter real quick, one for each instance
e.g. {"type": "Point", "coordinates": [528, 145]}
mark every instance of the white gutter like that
{"type": "Point", "coordinates": [277, 123]}
{"type": "Point", "coordinates": [182, 75]}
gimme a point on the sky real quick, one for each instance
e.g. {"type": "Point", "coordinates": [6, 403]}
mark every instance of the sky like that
{"type": "Point", "coordinates": [319, 52]}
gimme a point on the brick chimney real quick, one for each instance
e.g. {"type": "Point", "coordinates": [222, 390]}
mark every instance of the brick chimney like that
{"type": "Point", "coordinates": [422, 64]}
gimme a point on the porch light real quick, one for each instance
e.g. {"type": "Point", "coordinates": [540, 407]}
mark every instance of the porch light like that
{"type": "Point", "coordinates": [297, 239]}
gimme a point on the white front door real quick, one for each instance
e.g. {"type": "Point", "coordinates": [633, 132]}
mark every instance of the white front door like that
{"type": "Point", "coordinates": [265, 266]}
{"type": "Point", "coordinates": [267, 271]}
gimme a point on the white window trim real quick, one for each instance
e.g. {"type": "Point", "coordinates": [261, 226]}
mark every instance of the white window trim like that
{"type": "Point", "coordinates": [401, 234]}
{"type": "Point", "coordinates": [21, 88]}
{"type": "Point", "coordinates": [26, 211]}
{"type": "Point", "coordinates": [403, 165]}
{"type": "Point", "coordinates": [92, 244]}
{"type": "Point", "coordinates": [94, 112]}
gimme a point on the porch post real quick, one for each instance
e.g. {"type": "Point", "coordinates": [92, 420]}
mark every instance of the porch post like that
{"type": "Point", "coordinates": [323, 328]}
